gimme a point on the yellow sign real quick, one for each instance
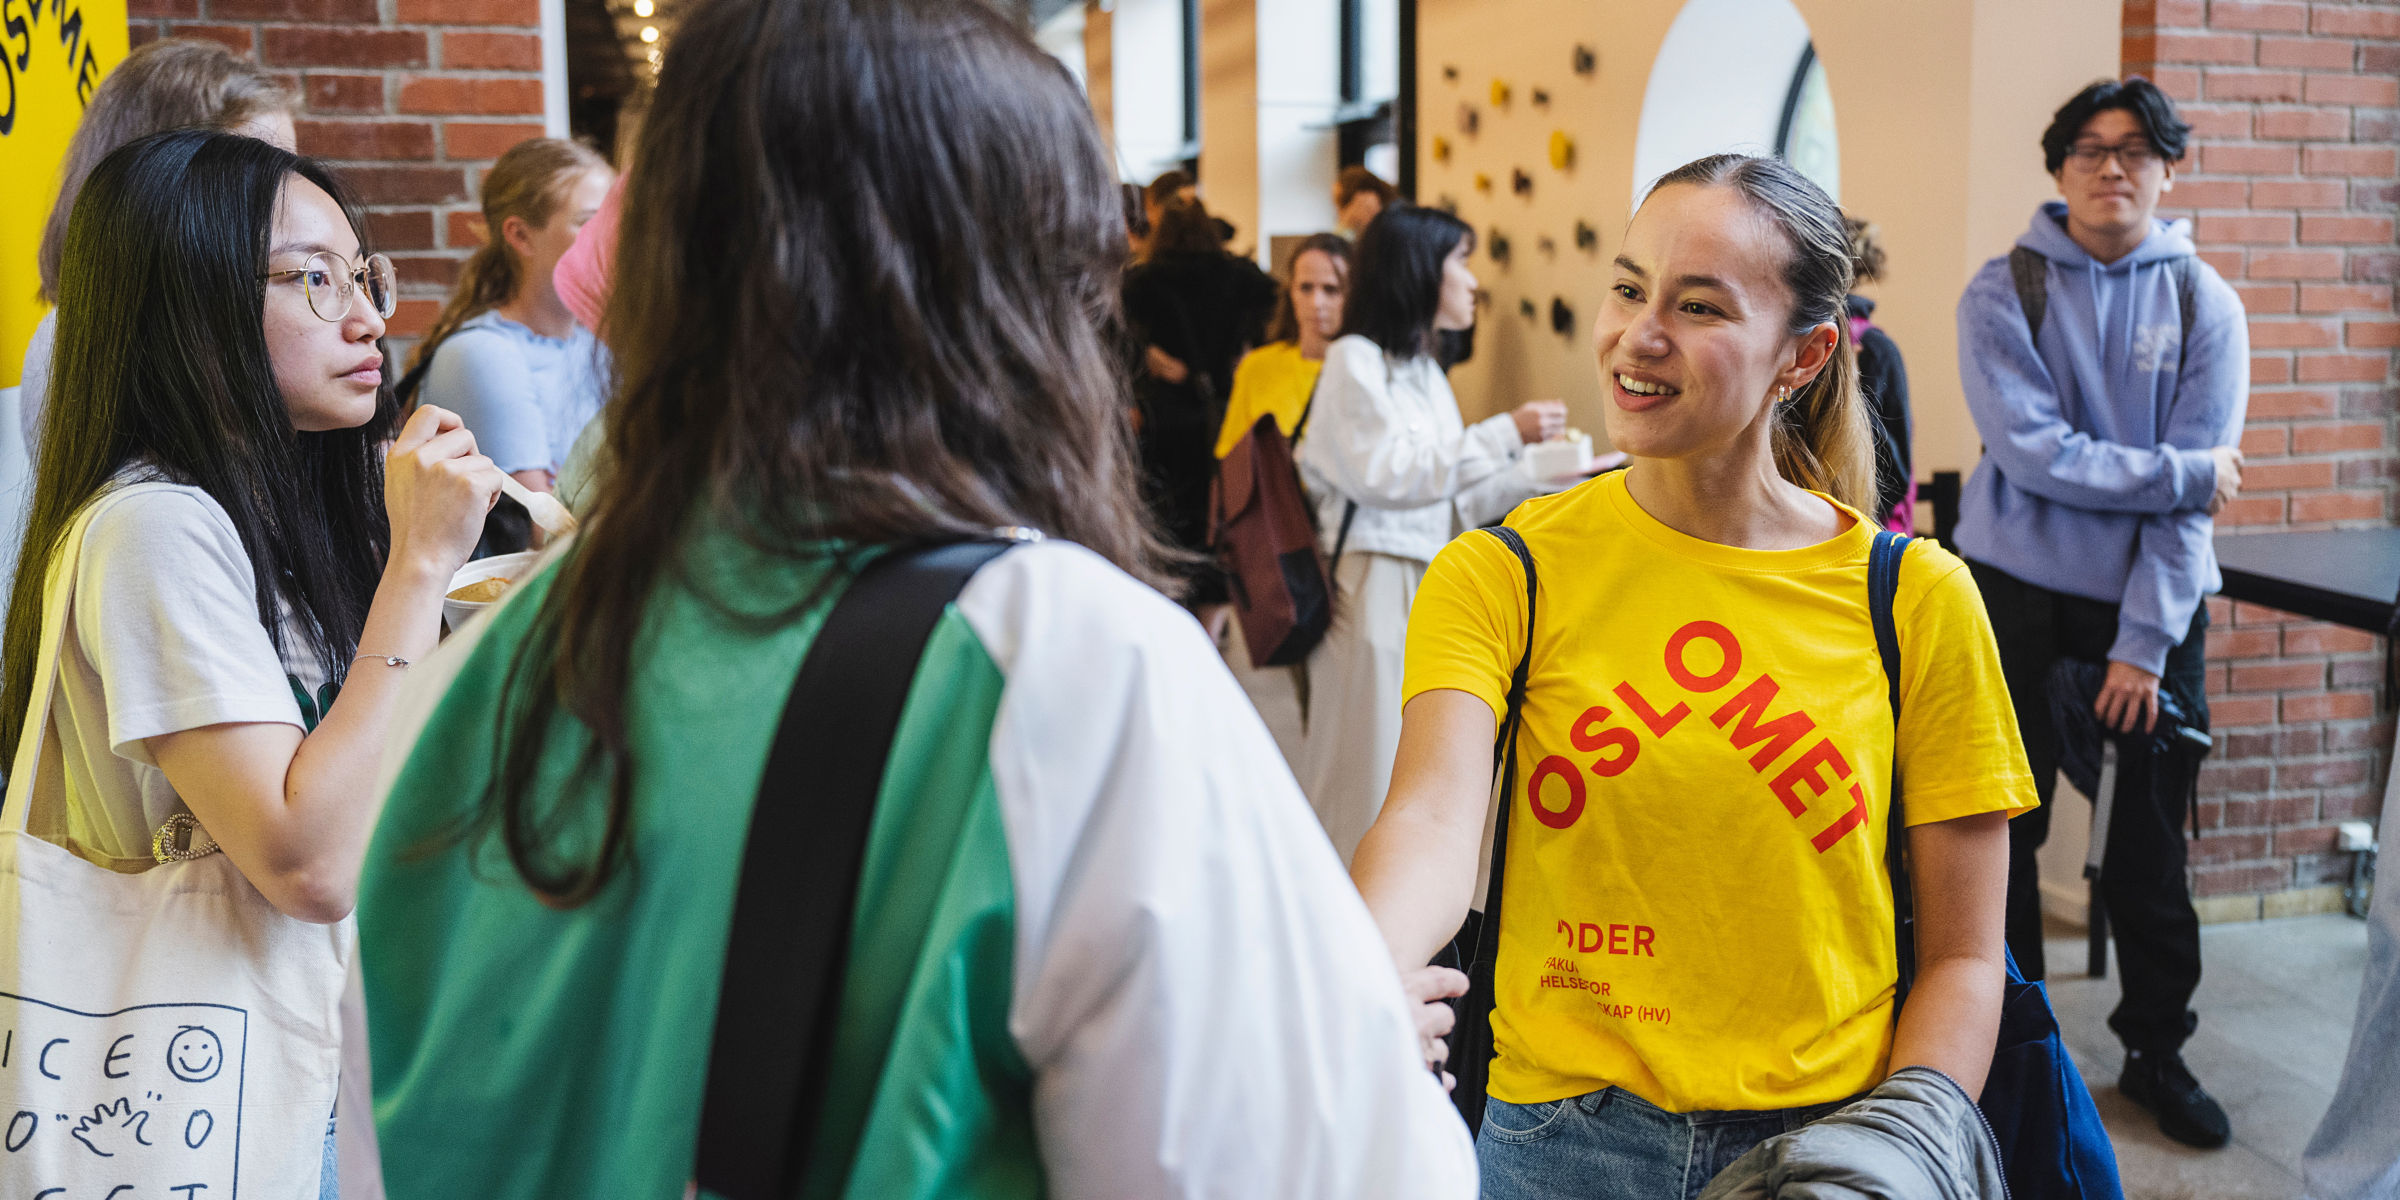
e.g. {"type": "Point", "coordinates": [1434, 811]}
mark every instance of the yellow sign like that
{"type": "Point", "coordinates": [52, 54]}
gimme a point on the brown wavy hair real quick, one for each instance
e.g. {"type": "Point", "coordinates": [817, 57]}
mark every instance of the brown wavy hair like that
{"type": "Point", "coordinates": [529, 182]}
{"type": "Point", "coordinates": [868, 272]}
{"type": "Point", "coordinates": [1286, 325]}
{"type": "Point", "coordinates": [1821, 438]}
{"type": "Point", "coordinates": [165, 85]}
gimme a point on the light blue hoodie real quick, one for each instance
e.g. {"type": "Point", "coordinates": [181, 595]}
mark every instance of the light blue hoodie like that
{"type": "Point", "coordinates": [2096, 475]}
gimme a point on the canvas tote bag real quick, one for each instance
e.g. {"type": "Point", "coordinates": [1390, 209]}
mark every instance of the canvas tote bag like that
{"type": "Point", "coordinates": [169, 1030]}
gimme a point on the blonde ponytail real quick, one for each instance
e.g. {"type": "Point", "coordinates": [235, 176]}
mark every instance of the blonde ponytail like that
{"type": "Point", "coordinates": [529, 183]}
{"type": "Point", "coordinates": [1822, 441]}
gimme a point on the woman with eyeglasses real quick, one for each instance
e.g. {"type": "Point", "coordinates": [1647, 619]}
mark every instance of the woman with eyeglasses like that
{"type": "Point", "coordinates": [245, 548]}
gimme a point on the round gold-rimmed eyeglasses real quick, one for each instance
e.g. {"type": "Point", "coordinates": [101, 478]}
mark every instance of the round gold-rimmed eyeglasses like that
{"type": "Point", "coordinates": [333, 284]}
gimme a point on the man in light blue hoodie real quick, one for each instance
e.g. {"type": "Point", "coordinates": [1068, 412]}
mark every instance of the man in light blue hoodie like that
{"type": "Point", "coordinates": [2108, 369]}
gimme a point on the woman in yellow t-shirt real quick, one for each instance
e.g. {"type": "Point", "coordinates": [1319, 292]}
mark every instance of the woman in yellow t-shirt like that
{"type": "Point", "coordinates": [1277, 377]}
{"type": "Point", "coordinates": [1697, 948]}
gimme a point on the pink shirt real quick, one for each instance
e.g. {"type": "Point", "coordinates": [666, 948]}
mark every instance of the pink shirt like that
{"type": "Point", "coordinates": [583, 274]}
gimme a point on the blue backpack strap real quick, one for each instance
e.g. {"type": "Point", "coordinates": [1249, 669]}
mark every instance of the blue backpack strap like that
{"type": "Point", "coordinates": [1883, 588]}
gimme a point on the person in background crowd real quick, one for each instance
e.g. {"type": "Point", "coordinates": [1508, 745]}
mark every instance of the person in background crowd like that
{"type": "Point", "coordinates": [1686, 789]}
{"type": "Point", "coordinates": [1195, 310]}
{"type": "Point", "coordinates": [1359, 196]}
{"type": "Point", "coordinates": [1277, 379]}
{"type": "Point", "coordinates": [1095, 821]}
{"type": "Point", "coordinates": [249, 549]}
{"type": "Point", "coordinates": [1883, 383]}
{"type": "Point", "coordinates": [165, 85]}
{"type": "Point", "coordinates": [507, 354]}
{"type": "Point", "coordinates": [2109, 438]}
{"type": "Point", "coordinates": [1137, 221]}
{"type": "Point", "coordinates": [1386, 454]}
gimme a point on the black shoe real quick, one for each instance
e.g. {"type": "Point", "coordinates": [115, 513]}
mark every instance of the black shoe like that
{"type": "Point", "coordinates": [2186, 1112]}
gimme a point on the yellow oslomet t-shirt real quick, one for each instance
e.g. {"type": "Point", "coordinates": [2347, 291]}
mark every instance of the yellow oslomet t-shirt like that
{"type": "Point", "coordinates": [1697, 906]}
{"type": "Point", "coordinates": [1271, 379]}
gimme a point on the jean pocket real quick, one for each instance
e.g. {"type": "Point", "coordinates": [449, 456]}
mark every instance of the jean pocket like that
{"type": "Point", "coordinates": [1517, 1124]}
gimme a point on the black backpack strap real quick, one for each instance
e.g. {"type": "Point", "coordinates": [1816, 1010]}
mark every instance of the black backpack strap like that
{"type": "Point", "coordinates": [1475, 1047]}
{"type": "Point", "coordinates": [780, 997]}
{"type": "Point", "coordinates": [1883, 588]}
{"type": "Point", "coordinates": [2187, 285]}
{"type": "Point", "coordinates": [2032, 275]}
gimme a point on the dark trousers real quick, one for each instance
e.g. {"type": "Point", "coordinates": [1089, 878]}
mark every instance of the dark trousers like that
{"type": "Point", "coordinates": [2142, 884]}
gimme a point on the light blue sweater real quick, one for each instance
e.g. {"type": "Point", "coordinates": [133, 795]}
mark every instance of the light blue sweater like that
{"type": "Point", "coordinates": [2096, 475]}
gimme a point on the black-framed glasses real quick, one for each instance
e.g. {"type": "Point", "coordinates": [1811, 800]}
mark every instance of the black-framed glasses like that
{"type": "Point", "coordinates": [2135, 156]}
{"type": "Point", "coordinates": [333, 284]}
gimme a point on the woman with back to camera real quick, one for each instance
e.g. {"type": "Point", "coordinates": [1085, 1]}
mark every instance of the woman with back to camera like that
{"type": "Point", "coordinates": [1386, 455]}
{"type": "Point", "coordinates": [1196, 310]}
{"type": "Point", "coordinates": [506, 354]}
{"type": "Point", "coordinates": [826, 350]}
{"type": "Point", "coordinates": [1707, 742]}
{"type": "Point", "coordinates": [245, 549]}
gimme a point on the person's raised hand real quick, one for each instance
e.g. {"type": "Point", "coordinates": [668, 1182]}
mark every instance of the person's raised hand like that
{"type": "Point", "coordinates": [436, 491]}
{"type": "Point", "coordinates": [2229, 478]}
{"type": "Point", "coordinates": [1540, 420]}
{"type": "Point", "coordinates": [2128, 699]}
{"type": "Point", "coordinates": [1428, 988]}
{"type": "Point", "coordinates": [1164, 367]}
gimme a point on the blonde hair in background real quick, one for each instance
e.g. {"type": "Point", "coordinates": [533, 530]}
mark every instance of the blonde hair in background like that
{"type": "Point", "coordinates": [1821, 438]}
{"type": "Point", "coordinates": [528, 183]}
{"type": "Point", "coordinates": [165, 85]}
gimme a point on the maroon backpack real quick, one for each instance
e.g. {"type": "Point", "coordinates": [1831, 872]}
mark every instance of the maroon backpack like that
{"type": "Point", "coordinates": [1265, 534]}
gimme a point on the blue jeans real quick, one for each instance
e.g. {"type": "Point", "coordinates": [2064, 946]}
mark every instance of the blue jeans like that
{"type": "Point", "coordinates": [1614, 1145]}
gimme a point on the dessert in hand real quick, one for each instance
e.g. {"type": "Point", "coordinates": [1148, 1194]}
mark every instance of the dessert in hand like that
{"type": "Point", "coordinates": [1569, 453]}
{"type": "Point", "coordinates": [483, 591]}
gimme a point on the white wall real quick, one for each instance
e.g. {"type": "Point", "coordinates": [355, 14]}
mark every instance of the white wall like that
{"type": "Point", "coordinates": [1062, 36]}
{"type": "Point", "coordinates": [1718, 84]}
{"type": "Point", "coordinates": [1299, 86]}
{"type": "Point", "coordinates": [1146, 53]}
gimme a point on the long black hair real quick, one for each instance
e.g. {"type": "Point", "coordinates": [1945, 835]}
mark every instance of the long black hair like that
{"type": "Point", "coordinates": [865, 280]}
{"type": "Point", "coordinates": [1396, 280]}
{"type": "Point", "coordinates": [162, 361]}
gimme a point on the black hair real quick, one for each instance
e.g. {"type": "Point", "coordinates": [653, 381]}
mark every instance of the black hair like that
{"type": "Point", "coordinates": [1396, 280]}
{"type": "Point", "coordinates": [162, 361]}
{"type": "Point", "coordinates": [2133, 94]}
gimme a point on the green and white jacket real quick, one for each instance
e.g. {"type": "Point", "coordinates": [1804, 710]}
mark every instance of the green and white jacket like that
{"type": "Point", "coordinates": [1145, 973]}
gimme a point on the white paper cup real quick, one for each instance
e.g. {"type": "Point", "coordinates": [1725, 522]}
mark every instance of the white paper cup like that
{"type": "Point", "coordinates": [506, 566]}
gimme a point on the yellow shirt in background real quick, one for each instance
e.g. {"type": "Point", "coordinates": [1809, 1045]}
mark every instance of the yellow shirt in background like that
{"type": "Point", "coordinates": [1697, 905]}
{"type": "Point", "coordinates": [1271, 379]}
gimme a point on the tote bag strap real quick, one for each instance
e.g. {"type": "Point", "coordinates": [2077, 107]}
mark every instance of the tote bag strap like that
{"type": "Point", "coordinates": [37, 756]}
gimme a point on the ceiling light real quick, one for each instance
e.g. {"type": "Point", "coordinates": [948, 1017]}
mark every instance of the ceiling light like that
{"type": "Point", "coordinates": [643, 8]}
{"type": "Point", "coordinates": [649, 33]}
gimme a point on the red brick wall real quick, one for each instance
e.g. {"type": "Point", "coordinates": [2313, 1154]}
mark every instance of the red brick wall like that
{"type": "Point", "coordinates": [410, 99]}
{"type": "Point", "coordinates": [2292, 188]}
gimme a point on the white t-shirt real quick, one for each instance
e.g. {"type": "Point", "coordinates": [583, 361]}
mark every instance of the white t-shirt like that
{"type": "Point", "coordinates": [163, 635]}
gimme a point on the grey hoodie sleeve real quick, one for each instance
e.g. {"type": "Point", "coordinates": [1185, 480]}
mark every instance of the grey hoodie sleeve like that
{"type": "Point", "coordinates": [2014, 401]}
{"type": "Point", "coordinates": [2175, 559]}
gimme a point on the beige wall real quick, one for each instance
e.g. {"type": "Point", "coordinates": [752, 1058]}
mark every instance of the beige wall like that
{"type": "Point", "coordinates": [1940, 107]}
{"type": "Point", "coordinates": [1229, 114]}
{"type": "Point", "coordinates": [1099, 68]}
